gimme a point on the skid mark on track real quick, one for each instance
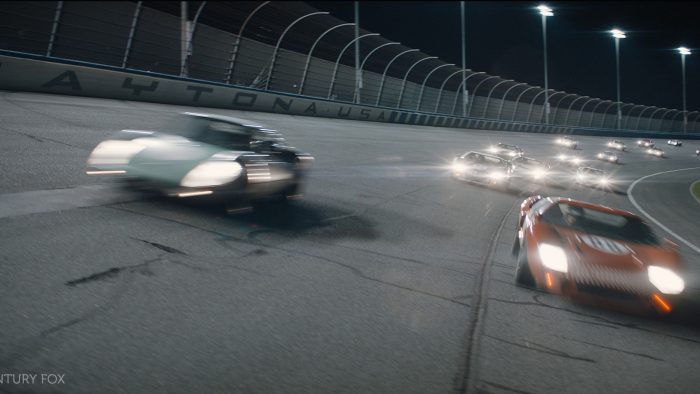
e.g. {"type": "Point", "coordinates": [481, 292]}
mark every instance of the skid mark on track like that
{"type": "Point", "coordinates": [467, 379]}
{"type": "Point", "coordinates": [529, 345]}
{"type": "Point", "coordinates": [142, 268]}
{"type": "Point", "coordinates": [252, 239]}
{"type": "Point", "coordinates": [162, 247]}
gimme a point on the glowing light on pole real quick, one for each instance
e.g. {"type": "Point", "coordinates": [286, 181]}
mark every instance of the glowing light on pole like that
{"type": "Point", "coordinates": [545, 12]}
{"type": "Point", "coordinates": [684, 51]}
{"type": "Point", "coordinates": [617, 34]}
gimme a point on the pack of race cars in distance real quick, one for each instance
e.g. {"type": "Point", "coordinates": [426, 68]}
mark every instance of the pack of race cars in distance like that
{"type": "Point", "coordinates": [596, 254]}
{"type": "Point", "coordinates": [564, 169]}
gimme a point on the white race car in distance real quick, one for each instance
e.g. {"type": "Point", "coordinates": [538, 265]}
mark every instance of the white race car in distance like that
{"type": "Point", "coordinates": [608, 156]}
{"type": "Point", "coordinates": [593, 177]}
{"type": "Point", "coordinates": [658, 152]}
{"type": "Point", "coordinates": [569, 161]}
{"type": "Point", "coordinates": [674, 143]}
{"type": "Point", "coordinates": [645, 143]}
{"type": "Point", "coordinates": [616, 144]}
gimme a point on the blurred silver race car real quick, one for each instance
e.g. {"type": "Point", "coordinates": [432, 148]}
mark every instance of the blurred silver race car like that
{"type": "Point", "coordinates": [205, 155]}
{"type": "Point", "coordinates": [569, 162]}
{"type": "Point", "coordinates": [697, 152]}
{"type": "Point", "coordinates": [531, 169]}
{"type": "Point", "coordinates": [645, 143]}
{"type": "Point", "coordinates": [654, 151]}
{"type": "Point", "coordinates": [608, 156]}
{"type": "Point", "coordinates": [616, 144]}
{"type": "Point", "coordinates": [674, 143]}
{"type": "Point", "coordinates": [505, 151]}
{"type": "Point", "coordinates": [593, 177]}
{"type": "Point", "coordinates": [482, 168]}
{"type": "Point", "coordinates": [567, 142]}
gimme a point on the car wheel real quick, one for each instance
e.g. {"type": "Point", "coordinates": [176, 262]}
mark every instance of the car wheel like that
{"type": "Point", "coordinates": [523, 275]}
{"type": "Point", "coordinates": [289, 194]}
{"type": "Point", "coordinates": [516, 245]}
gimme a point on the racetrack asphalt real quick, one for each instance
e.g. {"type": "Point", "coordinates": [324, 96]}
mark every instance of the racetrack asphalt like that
{"type": "Point", "coordinates": [389, 276]}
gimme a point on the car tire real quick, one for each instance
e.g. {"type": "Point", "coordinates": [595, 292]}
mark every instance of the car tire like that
{"type": "Point", "coordinates": [523, 275]}
{"type": "Point", "coordinates": [516, 245]}
{"type": "Point", "coordinates": [290, 193]}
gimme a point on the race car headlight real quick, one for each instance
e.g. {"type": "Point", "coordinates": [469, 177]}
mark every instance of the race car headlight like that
{"type": "Point", "coordinates": [538, 174]}
{"type": "Point", "coordinates": [562, 157]}
{"type": "Point", "coordinates": [458, 167]}
{"type": "Point", "coordinates": [212, 173]}
{"type": "Point", "coordinates": [493, 149]}
{"type": "Point", "coordinates": [511, 154]}
{"type": "Point", "coordinates": [113, 152]}
{"type": "Point", "coordinates": [576, 160]}
{"type": "Point", "coordinates": [553, 257]}
{"type": "Point", "coordinates": [496, 175]}
{"type": "Point", "coordinates": [604, 181]}
{"type": "Point", "coordinates": [667, 281]}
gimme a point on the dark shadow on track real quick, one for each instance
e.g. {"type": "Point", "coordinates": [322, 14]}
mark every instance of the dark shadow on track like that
{"type": "Point", "coordinates": [292, 218]}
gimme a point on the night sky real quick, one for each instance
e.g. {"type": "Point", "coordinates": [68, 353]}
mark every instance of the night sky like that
{"type": "Point", "coordinates": [505, 39]}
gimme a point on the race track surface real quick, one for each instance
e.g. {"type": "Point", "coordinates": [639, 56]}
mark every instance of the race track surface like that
{"type": "Point", "coordinates": [389, 276]}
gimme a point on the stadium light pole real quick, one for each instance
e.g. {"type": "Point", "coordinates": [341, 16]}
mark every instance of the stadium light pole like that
{"type": "Point", "coordinates": [545, 12]}
{"type": "Point", "coordinates": [617, 34]}
{"type": "Point", "coordinates": [684, 51]}
{"type": "Point", "coordinates": [464, 57]}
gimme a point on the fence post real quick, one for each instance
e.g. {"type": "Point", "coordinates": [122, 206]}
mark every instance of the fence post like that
{"type": "Point", "coordinates": [54, 29]}
{"type": "Point", "coordinates": [132, 30]}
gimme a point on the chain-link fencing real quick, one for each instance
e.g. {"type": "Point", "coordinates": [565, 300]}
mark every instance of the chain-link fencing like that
{"type": "Point", "coordinates": [292, 48]}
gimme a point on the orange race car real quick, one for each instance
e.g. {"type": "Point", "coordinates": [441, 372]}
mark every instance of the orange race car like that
{"type": "Point", "coordinates": [596, 255]}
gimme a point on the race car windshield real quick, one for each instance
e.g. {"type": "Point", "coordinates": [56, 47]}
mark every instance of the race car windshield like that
{"type": "Point", "coordinates": [629, 229]}
{"type": "Point", "coordinates": [485, 160]}
{"type": "Point", "coordinates": [211, 131]}
{"type": "Point", "coordinates": [509, 147]}
{"type": "Point", "coordinates": [529, 162]}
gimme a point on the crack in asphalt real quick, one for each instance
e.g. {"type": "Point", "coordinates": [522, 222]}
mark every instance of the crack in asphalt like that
{"type": "Point", "coordinates": [542, 349]}
{"type": "Point", "coordinates": [252, 240]}
{"type": "Point", "coordinates": [359, 273]}
{"type": "Point", "coordinates": [466, 380]}
{"type": "Point", "coordinates": [32, 344]}
{"type": "Point", "coordinates": [500, 386]}
{"type": "Point", "coordinates": [613, 349]}
{"type": "Point", "coordinates": [600, 318]}
{"type": "Point", "coordinates": [401, 258]}
{"type": "Point", "coordinates": [596, 324]}
{"type": "Point", "coordinates": [42, 139]}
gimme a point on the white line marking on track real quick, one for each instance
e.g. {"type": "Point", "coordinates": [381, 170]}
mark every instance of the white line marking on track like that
{"type": "Point", "coordinates": [632, 200]}
{"type": "Point", "coordinates": [692, 185]}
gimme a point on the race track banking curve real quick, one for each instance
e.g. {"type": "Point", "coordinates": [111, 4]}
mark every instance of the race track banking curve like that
{"type": "Point", "coordinates": [388, 277]}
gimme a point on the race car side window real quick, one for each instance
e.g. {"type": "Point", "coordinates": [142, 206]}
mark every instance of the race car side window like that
{"type": "Point", "coordinates": [539, 206]}
{"type": "Point", "coordinates": [536, 207]}
{"type": "Point", "coordinates": [227, 135]}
